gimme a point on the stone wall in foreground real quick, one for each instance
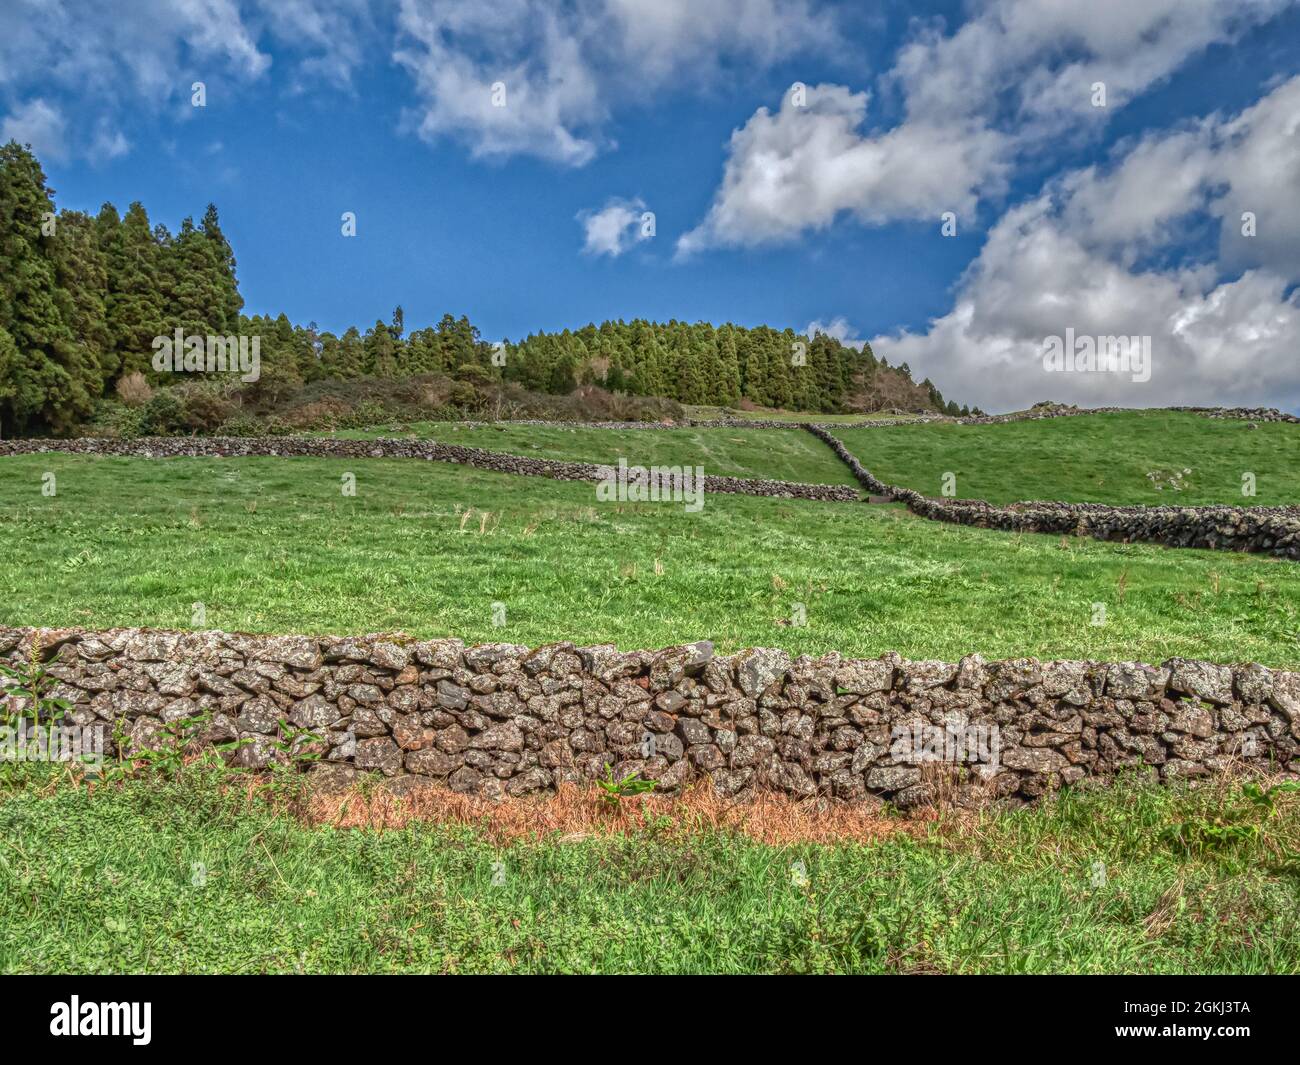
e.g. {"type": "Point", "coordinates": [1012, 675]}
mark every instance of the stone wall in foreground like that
{"type": "Point", "coordinates": [1269, 530]}
{"type": "Point", "coordinates": [500, 719]}
{"type": "Point", "coordinates": [430, 450]}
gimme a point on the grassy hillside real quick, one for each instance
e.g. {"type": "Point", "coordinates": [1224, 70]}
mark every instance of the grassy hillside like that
{"type": "Point", "coordinates": [271, 545]}
{"type": "Point", "coordinates": [776, 454]}
{"type": "Point", "coordinates": [763, 414]}
{"type": "Point", "coordinates": [1094, 458]}
{"type": "Point", "coordinates": [179, 877]}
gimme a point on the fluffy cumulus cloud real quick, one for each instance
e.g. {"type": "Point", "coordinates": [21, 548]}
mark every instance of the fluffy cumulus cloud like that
{"type": "Point", "coordinates": [40, 124]}
{"type": "Point", "coordinates": [1016, 76]}
{"type": "Point", "coordinates": [808, 163]}
{"type": "Point", "coordinates": [563, 68]}
{"type": "Point", "coordinates": [1034, 62]}
{"type": "Point", "coordinates": [837, 328]}
{"type": "Point", "coordinates": [131, 49]}
{"type": "Point", "coordinates": [1088, 255]}
{"type": "Point", "coordinates": [616, 227]}
{"type": "Point", "coordinates": [107, 61]}
{"type": "Point", "coordinates": [535, 78]}
{"type": "Point", "coordinates": [507, 78]}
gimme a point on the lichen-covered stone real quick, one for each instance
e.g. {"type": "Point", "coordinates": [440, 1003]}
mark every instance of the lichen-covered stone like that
{"type": "Point", "coordinates": [502, 720]}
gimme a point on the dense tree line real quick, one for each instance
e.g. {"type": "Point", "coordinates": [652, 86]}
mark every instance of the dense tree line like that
{"type": "Point", "coordinates": [83, 298]}
{"type": "Point", "coordinates": [704, 364]}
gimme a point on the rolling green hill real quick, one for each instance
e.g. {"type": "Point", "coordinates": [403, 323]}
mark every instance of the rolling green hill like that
{"type": "Point", "coordinates": [1165, 458]}
{"type": "Point", "coordinates": [761, 453]}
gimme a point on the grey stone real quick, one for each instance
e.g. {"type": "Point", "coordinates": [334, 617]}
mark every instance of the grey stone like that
{"type": "Point", "coordinates": [758, 668]}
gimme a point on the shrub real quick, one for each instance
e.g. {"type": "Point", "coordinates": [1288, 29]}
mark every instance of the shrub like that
{"type": "Point", "coordinates": [203, 407]}
{"type": "Point", "coordinates": [163, 415]}
{"type": "Point", "coordinates": [473, 373]}
{"type": "Point", "coordinates": [242, 423]}
{"type": "Point", "coordinates": [463, 394]}
{"type": "Point", "coordinates": [134, 390]}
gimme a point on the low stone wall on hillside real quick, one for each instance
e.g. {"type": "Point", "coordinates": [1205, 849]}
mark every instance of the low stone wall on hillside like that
{"type": "Point", "coordinates": [430, 450]}
{"type": "Point", "coordinates": [1252, 414]}
{"type": "Point", "coordinates": [505, 720]}
{"type": "Point", "coordinates": [1269, 530]}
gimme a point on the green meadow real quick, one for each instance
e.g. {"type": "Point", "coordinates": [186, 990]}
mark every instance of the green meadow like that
{"type": "Point", "coordinates": [1151, 458]}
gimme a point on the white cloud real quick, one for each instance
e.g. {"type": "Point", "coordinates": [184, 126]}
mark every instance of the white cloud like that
{"type": "Point", "coordinates": [1258, 165]}
{"type": "Point", "coordinates": [39, 124]}
{"type": "Point", "coordinates": [508, 78]}
{"type": "Point", "coordinates": [1038, 59]}
{"type": "Point", "coordinates": [108, 144]}
{"type": "Point", "coordinates": [133, 49]}
{"type": "Point", "coordinates": [837, 328]}
{"type": "Point", "coordinates": [101, 62]}
{"type": "Point", "coordinates": [804, 166]}
{"type": "Point", "coordinates": [614, 228]}
{"type": "Point", "coordinates": [664, 38]}
{"type": "Point", "coordinates": [1013, 79]}
{"type": "Point", "coordinates": [565, 68]}
{"type": "Point", "coordinates": [335, 33]}
{"type": "Point", "coordinates": [1082, 256]}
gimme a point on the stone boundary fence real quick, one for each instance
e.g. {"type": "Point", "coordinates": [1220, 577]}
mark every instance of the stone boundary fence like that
{"type": "Point", "coordinates": [1270, 530]}
{"type": "Point", "coordinates": [503, 719]}
{"type": "Point", "coordinates": [430, 450]}
{"type": "Point", "coordinates": [1255, 414]}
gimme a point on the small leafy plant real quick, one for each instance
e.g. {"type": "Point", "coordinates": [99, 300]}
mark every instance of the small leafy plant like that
{"type": "Point", "coordinates": [614, 791]}
{"type": "Point", "coordinates": [27, 696]}
{"type": "Point", "coordinates": [26, 704]}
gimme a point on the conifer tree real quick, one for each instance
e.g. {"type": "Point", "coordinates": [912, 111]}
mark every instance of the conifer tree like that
{"type": "Point", "coordinates": [224, 279]}
{"type": "Point", "coordinates": [728, 392]}
{"type": "Point", "coordinates": [135, 301]}
{"type": "Point", "coordinates": [381, 351]}
{"type": "Point", "coordinates": [52, 379]}
{"type": "Point", "coordinates": [81, 277]}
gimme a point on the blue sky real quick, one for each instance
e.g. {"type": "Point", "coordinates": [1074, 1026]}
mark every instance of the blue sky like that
{"type": "Point", "coordinates": [1121, 219]}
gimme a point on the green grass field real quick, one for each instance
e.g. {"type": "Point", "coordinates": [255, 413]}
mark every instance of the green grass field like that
{"type": "Point", "coordinates": [272, 545]}
{"type": "Point", "coordinates": [1094, 458]}
{"type": "Point", "coordinates": [175, 876]}
{"type": "Point", "coordinates": [187, 875]}
{"type": "Point", "coordinates": [775, 454]}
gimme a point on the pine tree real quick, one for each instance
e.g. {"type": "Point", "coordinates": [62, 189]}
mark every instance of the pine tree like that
{"type": "Point", "coordinates": [728, 368]}
{"type": "Point", "coordinates": [136, 302]}
{"type": "Point", "coordinates": [8, 381]}
{"type": "Point", "coordinates": [648, 360]}
{"type": "Point", "coordinates": [381, 351]}
{"type": "Point", "coordinates": [351, 354]}
{"type": "Point", "coordinates": [192, 275]}
{"type": "Point", "coordinates": [82, 285]}
{"type": "Point", "coordinates": [423, 351]}
{"type": "Point", "coordinates": [52, 381]}
{"type": "Point", "coordinates": [224, 279]}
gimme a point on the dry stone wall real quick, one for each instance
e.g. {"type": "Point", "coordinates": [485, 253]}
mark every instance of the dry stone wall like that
{"type": "Point", "coordinates": [505, 720]}
{"type": "Point", "coordinates": [1271, 530]}
{"type": "Point", "coordinates": [432, 451]}
{"type": "Point", "coordinates": [1052, 410]}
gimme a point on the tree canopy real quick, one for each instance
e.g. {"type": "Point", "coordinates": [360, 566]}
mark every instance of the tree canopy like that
{"type": "Point", "coordinates": [82, 300]}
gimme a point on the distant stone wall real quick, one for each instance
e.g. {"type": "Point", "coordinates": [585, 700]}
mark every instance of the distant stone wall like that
{"type": "Point", "coordinates": [1270, 530]}
{"type": "Point", "coordinates": [1254, 414]}
{"type": "Point", "coordinates": [432, 451]}
{"type": "Point", "coordinates": [506, 720]}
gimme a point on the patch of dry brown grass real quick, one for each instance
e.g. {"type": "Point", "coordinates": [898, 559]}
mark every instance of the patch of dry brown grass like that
{"type": "Point", "coordinates": [579, 813]}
